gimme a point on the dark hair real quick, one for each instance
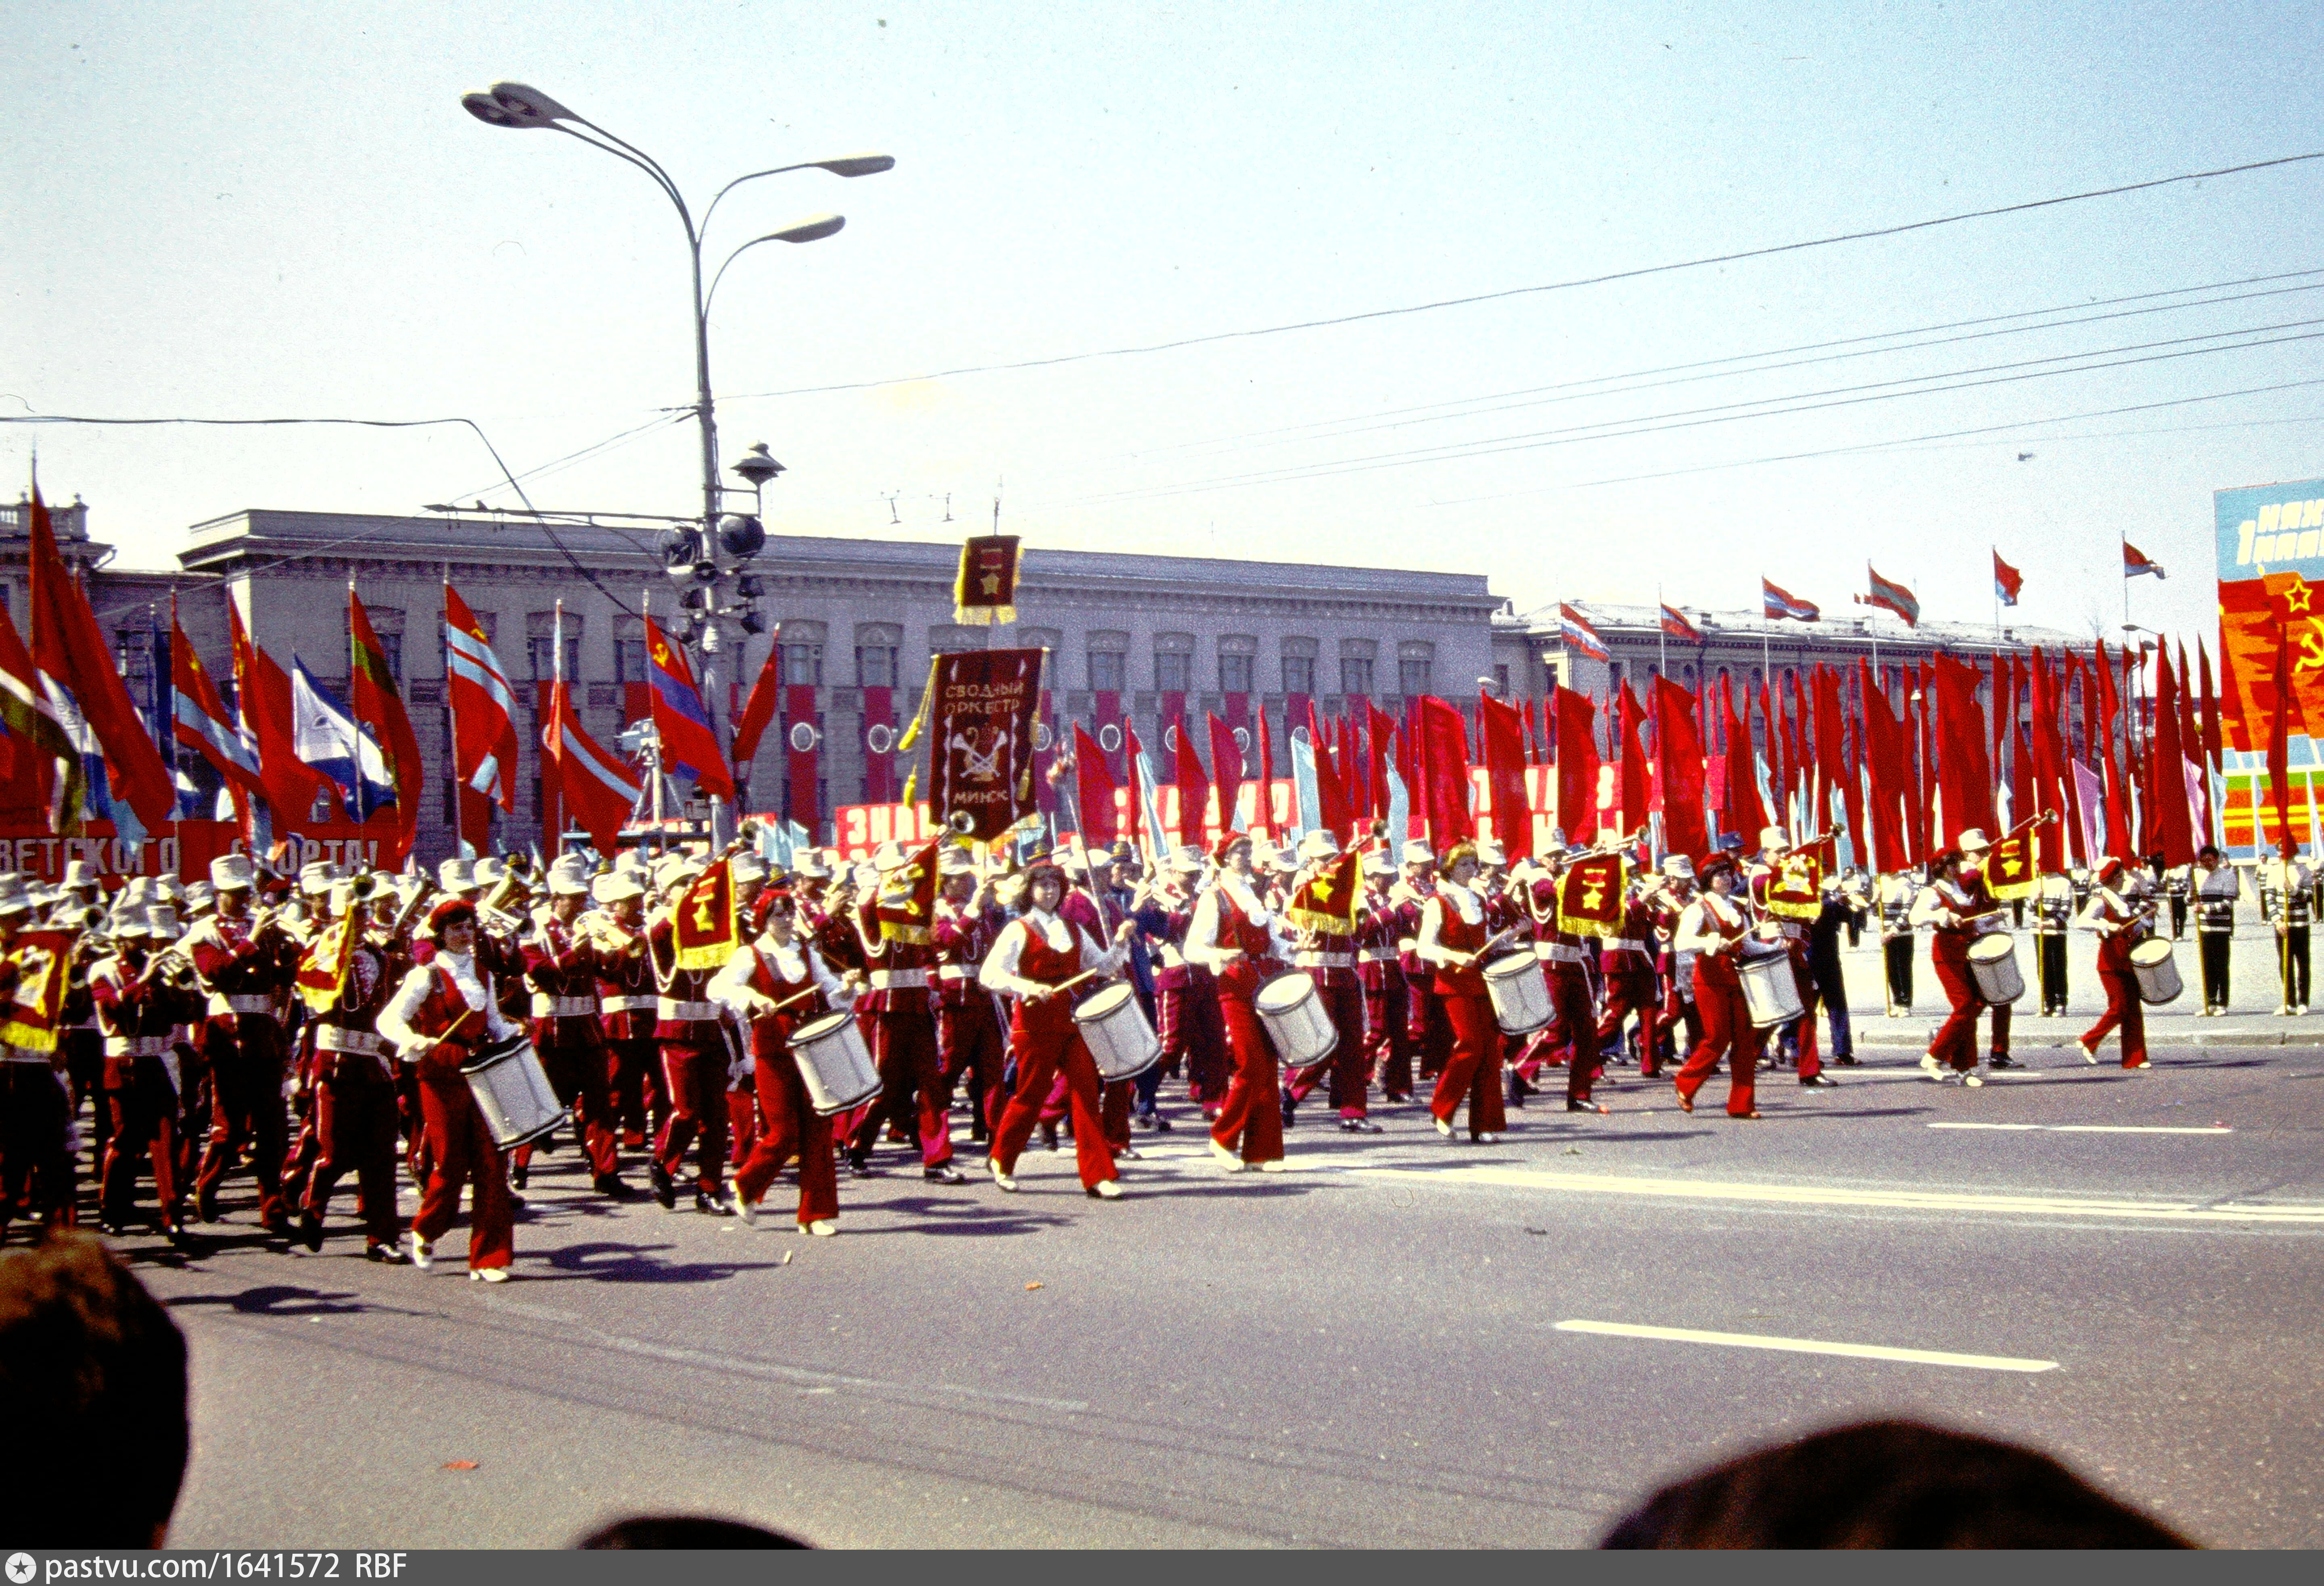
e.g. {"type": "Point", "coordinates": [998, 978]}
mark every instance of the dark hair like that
{"type": "Point", "coordinates": [1888, 1484]}
{"type": "Point", "coordinates": [2207, 850]}
{"type": "Point", "coordinates": [694, 1531]}
{"type": "Point", "coordinates": [93, 1396]}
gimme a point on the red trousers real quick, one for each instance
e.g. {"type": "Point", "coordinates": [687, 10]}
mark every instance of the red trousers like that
{"type": "Point", "coordinates": [1956, 1041]}
{"type": "Point", "coordinates": [903, 1043]}
{"type": "Point", "coordinates": [1568, 994]}
{"type": "Point", "coordinates": [1430, 1030]}
{"type": "Point", "coordinates": [572, 1057]}
{"type": "Point", "coordinates": [462, 1152]}
{"type": "Point", "coordinates": [1727, 1032]}
{"type": "Point", "coordinates": [1043, 1050]}
{"type": "Point", "coordinates": [354, 1131]}
{"type": "Point", "coordinates": [247, 1107]}
{"type": "Point", "coordinates": [2125, 1012]}
{"type": "Point", "coordinates": [969, 1045]}
{"type": "Point", "coordinates": [789, 1127]}
{"type": "Point", "coordinates": [1629, 991]}
{"type": "Point", "coordinates": [1387, 1037]}
{"type": "Point", "coordinates": [1343, 1000]}
{"type": "Point", "coordinates": [1473, 1072]}
{"type": "Point", "coordinates": [695, 1078]}
{"type": "Point", "coordinates": [1250, 1119]}
{"type": "Point", "coordinates": [1187, 1023]}
{"type": "Point", "coordinates": [144, 1105]}
{"type": "Point", "coordinates": [633, 1082]}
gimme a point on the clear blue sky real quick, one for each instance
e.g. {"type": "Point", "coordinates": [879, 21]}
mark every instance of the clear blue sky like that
{"type": "Point", "coordinates": [240, 211]}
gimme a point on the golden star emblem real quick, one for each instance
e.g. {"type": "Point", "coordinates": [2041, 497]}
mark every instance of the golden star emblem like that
{"type": "Point", "coordinates": [2298, 596]}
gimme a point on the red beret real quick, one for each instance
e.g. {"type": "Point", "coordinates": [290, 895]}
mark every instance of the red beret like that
{"type": "Point", "coordinates": [452, 911]}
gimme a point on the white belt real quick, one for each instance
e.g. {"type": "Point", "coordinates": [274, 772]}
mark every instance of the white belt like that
{"type": "Point", "coordinates": [1378, 955]}
{"type": "Point", "coordinates": [25, 1054]}
{"type": "Point", "coordinates": [1558, 953]}
{"type": "Point", "coordinates": [900, 980]}
{"type": "Point", "coordinates": [626, 1004]}
{"type": "Point", "coordinates": [135, 1045]}
{"type": "Point", "coordinates": [548, 1007]}
{"type": "Point", "coordinates": [956, 972]}
{"type": "Point", "coordinates": [336, 1038]}
{"type": "Point", "coordinates": [1624, 944]}
{"type": "Point", "coordinates": [1323, 960]}
{"type": "Point", "coordinates": [222, 1004]}
{"type": "Point", "coordinates": [687, 1012]}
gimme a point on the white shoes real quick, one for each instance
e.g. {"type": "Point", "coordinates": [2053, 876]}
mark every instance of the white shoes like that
{"type": "Point", "coordinates": [1972, 1079]}
{"type": "Point", "coordinates": [999, 1177]}
{"type": "Point", "coordinates": [744, 1213]}
{"type": "Point", "coordinates": [828, 1227]}
{"type": "Point", "coordinates": [1488, 1139]}
{"type": "Point", "coordinates": [488, 1274]}
{"type": "Point", "coordinates": [423, 1254]}
{"type": "Point", "coordinates": [1227, 1159]}
{"type": "Point", "coordinates": [1929, 1062]}
{"type": "Point", "coordinates": [1445, 1129]}
{"type": "Point", "coordinates": [1105, 1189]}
{"type": "Point", "coordinates": [1278, 1165]}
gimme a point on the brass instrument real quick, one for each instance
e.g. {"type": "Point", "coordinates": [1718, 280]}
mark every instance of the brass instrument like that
{"type": "Point", "coordinates": [423, 891]}
{"type": "Point", "coordinates": [492, 911]}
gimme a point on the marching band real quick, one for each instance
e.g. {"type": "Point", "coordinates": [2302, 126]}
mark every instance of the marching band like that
{"type": "Point", "coordinates": [704, 1013]}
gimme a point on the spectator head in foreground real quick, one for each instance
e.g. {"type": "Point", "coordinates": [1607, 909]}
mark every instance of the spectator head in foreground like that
{"type": "Point", "coordinates": [1892, 1484]}
{"type": "Point", "coordinates": [92, 1400]}
{"type": "Point", "coordinates": [694, 1531]}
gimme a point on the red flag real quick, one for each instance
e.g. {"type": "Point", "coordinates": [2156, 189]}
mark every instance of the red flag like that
{"type": "Point", "coordinates": [1093, 809]}
{"type": "Point", "coordinates": [1262, 820]}
{"type": "Point", "coordinates": [378, 706]}
{"type": "Point", "coordinates": [596, 788]}
{"type": "Point", "coordinates": [2050, 781]}
{"type": "Point", "coordinates": [1130, 751]}
{"type": "Point", "coordinates": [70, 651]}
{"type": "Point", "coordinates": [759, 709]}
{"type": "Point", "coordinates": [1964, 771]}
{"type": "Point", "coordinates": [1193, 787]}
{"type": "Point", "coordinates": [1577, 765]}
{"type": "Point", "coordinates": [1502, 732]}
{"type": "Point", "coordinates": [1742, 812]}
{"type": "Point", "coordinates": [1226, 770]}
{"type": "Point", "coordinates": [1680, 748]}
{"type": "Point", "coordinates": [2007, 581]}
{"type": "Point", "coordinates": [2211, 740]}
{"type": "Point", "coordinates": [1444, 769]}
{"type": "Point", "coordinates": [1380, 731]}
{"type": "Point", "coordinates": [1331, 797]}
{"type": "Point", "coordinates": [680, 721]}
{"type": "Point", "coordinates": [262, 689]}
{"type": "Point", "coordinates": [2284, 721]}
{"type": "Point", "coordinates": [1634, 761]}
{"type": "Point", "coordinates": [483, 720]}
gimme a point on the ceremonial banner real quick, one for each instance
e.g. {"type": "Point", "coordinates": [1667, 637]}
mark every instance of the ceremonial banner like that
{"type": "Point", "coordinates": [1589, 895]}
{"type": "Point", "coordinates": [2010, 871]}
{"type": "Point", "coordinates": [42, 960]}
{"type": "Point", "coordinates": [907, 902]}
{"type": "Point", "coordinates": [984, 592]}
{"type": "Point", "coordinates": [1796, 890]}
{"type": "Point", "coordinates": [1329, 900]}
{"type": "Point", "coordinates": [702, 927]}
{"type": "Point", "coordinates": [323, 970]}
{"type": "Point", "coordinates": [981, 759]}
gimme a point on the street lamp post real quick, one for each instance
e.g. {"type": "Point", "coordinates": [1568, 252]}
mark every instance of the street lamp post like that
{"type": "Point", "coordinates": [696, 559]}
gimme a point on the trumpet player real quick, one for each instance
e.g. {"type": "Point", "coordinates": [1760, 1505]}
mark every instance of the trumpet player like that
{"type": "Point", "coordinates": [354, 1094]}
{"type": "Point", "coordinates": [625, 1005]}
{"type": "Point", "coordinates": [775, 983]}
{"type": "Point", "coordinates": [245, 963]}
{"type": "Point", "coordinates": [561, 965]}
{"type": "Point", "coordinates": [141, 998]}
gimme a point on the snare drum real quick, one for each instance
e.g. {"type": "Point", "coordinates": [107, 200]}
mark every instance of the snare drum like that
{"type": "Point", "coordinates": [1993, 965]}
{"type": "Point", "coordinates": [2156, 971]}
{"type": "Point", "coordinates": [1520, 993]}
{"type": "Point", "coordinates": [834, 1063]}
{"type": "Point", "coordinates": [1771, 992]}
{"type": "Point", "coordinates": [1113, 1027]}
{"type": "Point", "coordinates": [512, 1091]}
{"type": "Point", "coordinates": [1301, 1032]}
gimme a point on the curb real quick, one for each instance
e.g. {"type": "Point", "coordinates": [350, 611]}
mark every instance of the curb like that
{"type": "Point", "coordinates": [2226, 1037]}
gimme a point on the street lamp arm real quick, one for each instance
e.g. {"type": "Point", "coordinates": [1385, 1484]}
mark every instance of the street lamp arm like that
{"type": "Point", "coordinates": [812, 229]}
{"type": "Point", "coordinates": [643, 161]}
{"type": "Point", "coordinates": [738, 181]}
{"type": "Point", "coordinates": [850, 165]}
{"type": "Point", "coordinates": [711, 295]}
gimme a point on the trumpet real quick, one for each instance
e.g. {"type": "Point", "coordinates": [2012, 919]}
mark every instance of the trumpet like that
{"type": "Point", "coordinates": [421, 893]}
{"type": "Point", "coordinates": [492, 911]}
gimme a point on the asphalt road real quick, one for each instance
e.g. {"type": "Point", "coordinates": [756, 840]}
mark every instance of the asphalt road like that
{"type": "Point", "coordinates": [1365, 1350]}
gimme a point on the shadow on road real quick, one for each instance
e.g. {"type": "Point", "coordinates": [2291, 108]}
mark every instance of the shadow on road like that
{"type": "Point", "coordinates": [283, 1299]}
{"type": "Point", "coordinates": [629, 1263]}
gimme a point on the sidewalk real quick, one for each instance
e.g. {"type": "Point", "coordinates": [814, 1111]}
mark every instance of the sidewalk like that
{"type": "Point", "coordinates": [2252, 1020]}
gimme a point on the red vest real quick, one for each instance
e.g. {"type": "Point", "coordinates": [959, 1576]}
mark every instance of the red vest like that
{"type": "Point", "coordinates": [1460, 936]}
{"type": "Point", "coordinates": [771, 1035]}
{"type": "Point", "coordinates": [1050, 967]}
{"type": "Point", "coordinates": [1718, 969]}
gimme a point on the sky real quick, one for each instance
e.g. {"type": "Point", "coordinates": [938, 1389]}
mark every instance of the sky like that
{"type": "Point", "coordinates": [245, 211]}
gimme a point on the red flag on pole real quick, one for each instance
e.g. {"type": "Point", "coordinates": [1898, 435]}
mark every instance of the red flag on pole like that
{"type": "Point", "coordinates": [1502, 732]}
{"type": "Point", "coordinates": [1226, 770]}
{"type": "Point", "coordinates": [1634, 762]}
{"type": "Point", "coordinates": [759, 709]}
{"type": "Point", "coordinates": [1679, 748]}
{"type": "Point", "coordinates": [1194, 787]}
{"type": "Point", "coordinates": [1444, 760]}
{"type": "Point", "coordinates": [1577, 765]}
{"type": "Point", "coordinates": [1093, 809]}
{"type": "Point", "coordinates": [68, 649]}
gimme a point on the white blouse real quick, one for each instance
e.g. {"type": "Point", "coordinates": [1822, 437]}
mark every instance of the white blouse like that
{"type": "Point", "coordinates": [395, 1020]}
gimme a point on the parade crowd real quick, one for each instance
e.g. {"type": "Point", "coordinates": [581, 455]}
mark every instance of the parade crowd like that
{"type": "Point", "coordinates": [317, 1030]}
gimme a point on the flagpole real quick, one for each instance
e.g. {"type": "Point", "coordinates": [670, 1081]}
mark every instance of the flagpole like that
{"type": "Point", "coordinates": [1662, 635]}
{"type": "Point", "coordinates": [452, 722]}
{"type": "Point", "coordinates": [177, 831]}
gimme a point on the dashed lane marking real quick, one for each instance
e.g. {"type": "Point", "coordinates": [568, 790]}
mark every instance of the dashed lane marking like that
{"type": "Point", "coordinates": [1809, 1346]}
{"type": "Point", "coordinates": [2092, 1127]}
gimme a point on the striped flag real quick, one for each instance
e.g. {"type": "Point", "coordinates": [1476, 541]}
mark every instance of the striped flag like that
{"type": "Point", "coordinates": [31, 720]}
{"type": "Point", "coordinates": [2137, 563]}
{"type": "Point", "coordinates": [1580, 636]}
{"type": "Point", "coordinates": [597, 788]}
{"type": "Point", "coordinates": [379, 705]}
{"type": "Point", "coordinates": [199, 720]}
{"type": "Point", "coordinates": [1676, 626]}
{"type": "Point", "coordinates": [1891, 596]}
{"type": "Point", "coordinates": [484, 706]}
{"type": "Point", "coordinates": [688, 744]}
{"type": "Point", "coordinates": [1778, 604]}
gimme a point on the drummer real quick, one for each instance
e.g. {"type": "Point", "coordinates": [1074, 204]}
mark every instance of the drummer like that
{"type": "Point", "coordinates": [1031, 961]}
{"type": "Point", "coordinates": [1452, 938]}
{"type": "Point", "coordinates": [1711, 931]}
{"type": "Point", "coordinates": [445, 1009]}
{"type": "Point", "coordinates": [2119, 924]}
{"type": "Point", "coordinates": [776, 982]}
{"type": "Point", "coordinates": [1945, 908]}
{"type": "Point", "coordinates": [1239, 939]}
{"type": "Point", "coordinates": [1976, 853]}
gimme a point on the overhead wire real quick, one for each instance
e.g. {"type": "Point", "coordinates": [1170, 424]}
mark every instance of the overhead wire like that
{"type": "Point", "coordinates": [1605, 277]}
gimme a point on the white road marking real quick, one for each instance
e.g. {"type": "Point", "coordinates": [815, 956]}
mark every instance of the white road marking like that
{"type": "Point", "coordinates": [1811, 1195]}
{"type": "Point", "coordinates": [1810, 1346]}
{"type": "Point", "coordinates": [2092, 1127]}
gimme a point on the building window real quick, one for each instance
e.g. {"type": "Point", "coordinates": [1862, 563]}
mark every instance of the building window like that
{"type": "Point", "coordinates": [1501, 679]}
{"type": "Point", "coordinates": [1234, 674]}
{"type": "Point", "coordinates": [1412, 675]}
{"type": "Point", "coordinates": [629, 649]}
{"type": "Point", "coordinates": [803, 665]}
{"type": "Point", "coordinates": [1108, 671]}
{"type": "Point", "coordinates": [541, 645]}
{"type": "Point", "coordinates": [875, 666]}
{"type": "Point", "coordinates": [1174, 674]}
{"type": "Point", "coordinates": [1299, 674]}
{"type": "Point", "coordinates": [1356, 675]}
{"type": "Point", "coordinates": [134, 651]}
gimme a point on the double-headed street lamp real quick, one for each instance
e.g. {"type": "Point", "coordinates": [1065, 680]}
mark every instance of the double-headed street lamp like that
{"type": "Point", "coordinates": [699, 560]}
